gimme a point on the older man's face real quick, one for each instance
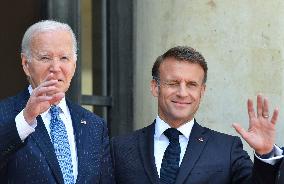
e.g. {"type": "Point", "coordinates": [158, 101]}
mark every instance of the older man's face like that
{"type": "Point", "coordinates": [52, 52]}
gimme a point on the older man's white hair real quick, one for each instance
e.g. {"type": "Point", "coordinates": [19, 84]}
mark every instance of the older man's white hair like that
{"type": "Point", "coordinates": [45, 26]}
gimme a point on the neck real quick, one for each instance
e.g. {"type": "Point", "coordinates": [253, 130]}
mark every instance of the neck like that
{"type": "Point", "coordinates": [175, 123]}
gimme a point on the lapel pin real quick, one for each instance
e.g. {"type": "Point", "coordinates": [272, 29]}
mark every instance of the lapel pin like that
{"type": "Point", "coordinates": [200, 139]}
{"type": "Point", "coordinates": [83, 122]}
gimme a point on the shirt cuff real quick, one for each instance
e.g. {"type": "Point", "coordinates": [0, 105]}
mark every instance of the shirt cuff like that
{"type": "Point", "coordinates": [23, 128]}
{"type": "Point", "coordinates": [276, 156]}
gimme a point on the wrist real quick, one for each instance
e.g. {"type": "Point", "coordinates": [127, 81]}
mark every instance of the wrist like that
{"type": "Point", "coordinates": [266, 155]}
{"type": "Point", "coordinates": [28, 119]}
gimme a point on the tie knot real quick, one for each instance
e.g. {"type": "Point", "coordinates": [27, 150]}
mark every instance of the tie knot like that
{"type": "Point", "coordinates": [172, 134]}
{"type": "Point", "coordinates": [54, 110]}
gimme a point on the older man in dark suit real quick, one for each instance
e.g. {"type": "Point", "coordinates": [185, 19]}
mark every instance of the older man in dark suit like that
{"type": "Point", "coordinates": [44, 137]}
{"type": "Point", "coordinates": [176, 149]}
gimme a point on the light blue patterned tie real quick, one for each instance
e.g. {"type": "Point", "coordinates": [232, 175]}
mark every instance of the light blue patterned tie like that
{"type": "Point", "coordinates": [61, 146]}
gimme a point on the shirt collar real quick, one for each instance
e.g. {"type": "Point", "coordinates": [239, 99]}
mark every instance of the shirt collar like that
{"type": "Point", "coordinates": [62, 104]}
{"type": "Point", "coordinates": [161, 126]}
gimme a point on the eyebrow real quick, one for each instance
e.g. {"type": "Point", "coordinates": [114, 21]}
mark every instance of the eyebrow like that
{"type": "Point", "coordinates": [48, 54]}
{"type": "Point", "coordinates": [187, 82]}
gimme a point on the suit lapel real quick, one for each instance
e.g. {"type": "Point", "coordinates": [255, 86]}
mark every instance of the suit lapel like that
{"type": "Point", "coordinates": [41, 137]}
{"type": "Point", "coordinates": [81, 138]}
{"type": "Point", "coordinates": [146, 146]}
{"type": "Point", "coordinates": [21, 101]}
{"type": "Point", "coordinates": [197, 141]}
{"type": "Point", "coordinates": [82, 141]}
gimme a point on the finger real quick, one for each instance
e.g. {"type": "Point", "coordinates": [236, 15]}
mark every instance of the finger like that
{"type": "Point", "coordinates": [48, 83]}
{"type": "Point", "coordinates": [265, 109]}
{"type": "Point", "coordinates": [43, 99]}
{"type": "Point", "coordinates": [275, 116]}
{"type": "Point", "coordinates": [48, 80]}
{"type": "Point", "coordinates": [45, 84]}
{"type": "Point", "coordinates": [33, 105]}
{"type": "Point", "coordinates": [259, 106]}
{"type": "Point", "coordinates": [36, 102]}
{"type": "Point", "coordinates": [43, 91]}
{"type": "Point", "coordinates": [240, 130]}
{"type": "Point", "coordinates": [56, 98]}
{"type": "Point", "coordinates": [251, 112]}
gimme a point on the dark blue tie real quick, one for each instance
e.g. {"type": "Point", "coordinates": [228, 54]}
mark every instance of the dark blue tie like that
{"type": "Point", "coordinates": [170, 162]}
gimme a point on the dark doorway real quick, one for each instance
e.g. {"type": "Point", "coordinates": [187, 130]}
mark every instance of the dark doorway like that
{"type": "Point", "coordinates": [15, 17]}
{"type": "Point", "coordinates": [112, 53]}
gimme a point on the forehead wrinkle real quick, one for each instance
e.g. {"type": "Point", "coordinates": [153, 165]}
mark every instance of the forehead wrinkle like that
{"type": "Point", "coordinates": [37, 42]}
{"type": "Point", "coordinates": [38, 52]}
{"type": "Point", "coordinates": [45, 52]}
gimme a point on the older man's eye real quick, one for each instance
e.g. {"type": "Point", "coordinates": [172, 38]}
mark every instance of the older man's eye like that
{"type": "Point", "coordinates": [64, 59]}
{"type": "Point", "coordinates": [45, 59]}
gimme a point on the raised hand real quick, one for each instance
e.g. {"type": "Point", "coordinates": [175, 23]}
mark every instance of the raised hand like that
{"type": "Point", "coordinates": [261, 132]}
{"type": "Point", "coordinates": [42, 97]}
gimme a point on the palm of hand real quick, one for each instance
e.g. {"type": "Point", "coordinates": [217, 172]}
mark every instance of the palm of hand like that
{"type": "Point", "coordinates": [260, 135]}
{"type": "Point", "coordinates": [261, 132]}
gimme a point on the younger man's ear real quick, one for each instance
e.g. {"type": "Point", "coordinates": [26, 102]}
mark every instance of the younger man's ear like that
{"type": "Point", "coordinates": [203, 89]}
{"type": "Point", "coordinates": [154, 88]}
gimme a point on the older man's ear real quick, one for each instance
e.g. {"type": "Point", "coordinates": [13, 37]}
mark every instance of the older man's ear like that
{"type": "Point", "coordinates": [25, 65]}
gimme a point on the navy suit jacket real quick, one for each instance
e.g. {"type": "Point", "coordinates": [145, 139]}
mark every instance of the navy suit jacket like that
{"type": "Point", "coordinates": [281, 173]}
{"type": "Point", "coordinates": [34, 160]}
{"type": "Point", "coordinates": [210, 157]}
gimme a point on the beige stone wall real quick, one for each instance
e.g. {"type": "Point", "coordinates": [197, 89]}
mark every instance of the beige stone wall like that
{"type": "Point", "coordinates": [86, 49]}
{"type": "Point", "coordinates": [242, 41]}
{"type": "Point", "coordinates": [86, 43]}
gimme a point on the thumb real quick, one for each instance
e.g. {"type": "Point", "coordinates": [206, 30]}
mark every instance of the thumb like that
{"type": "Point", "coordinates": [240, 129]}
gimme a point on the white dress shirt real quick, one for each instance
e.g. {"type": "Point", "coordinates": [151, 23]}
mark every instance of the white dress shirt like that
{"type": "Point", "coordinates": [24, 129]}
{"type": "Point", "coordinates": [161, 142]}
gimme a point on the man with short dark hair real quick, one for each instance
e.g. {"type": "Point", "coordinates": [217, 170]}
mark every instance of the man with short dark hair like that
{"type": "Point", "coordinates": [176, 149]}
{"type": "Point", "coordinates": [44, 137]}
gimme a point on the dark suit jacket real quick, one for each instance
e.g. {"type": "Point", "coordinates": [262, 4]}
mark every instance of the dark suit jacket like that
{"type": "Point", "coordinates": [34, 161]}
{"type": "Point", "coordinates": [281, 173]}
{"type": "Point", "coordinates": [210, 157]}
